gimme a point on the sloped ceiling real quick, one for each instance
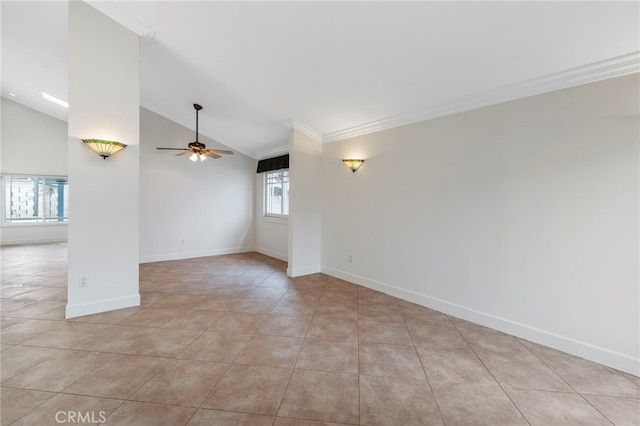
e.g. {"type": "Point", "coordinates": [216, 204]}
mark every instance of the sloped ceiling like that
{"type": "Point", "coordinates": [331, 69]}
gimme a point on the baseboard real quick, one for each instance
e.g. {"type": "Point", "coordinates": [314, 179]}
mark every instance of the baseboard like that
{"type": "Point", "coordinates": [298, 272]}
{"type": "Point", "coordinates": [194, 254]}
{"type": "Point", "coordinates": [33, 241]}
{"type": "Point", "coordinates": [81, 309]}
{"type": "Point", "coordinates": [566, 344]}
{"type": "Point", "coordinates": [272, 253]}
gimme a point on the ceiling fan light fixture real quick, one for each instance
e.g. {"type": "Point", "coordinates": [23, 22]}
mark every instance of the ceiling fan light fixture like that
{"type": "Point", "coordinates": [193, 157]}
{"type": "Point", "coordinates": [202, 157]}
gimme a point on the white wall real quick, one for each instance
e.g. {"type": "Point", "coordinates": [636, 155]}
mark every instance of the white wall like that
{"type": "Point", "coordinates": [522, 216]}
{"type": "Point", "coordinates": [191, 209]}
{"type": "Point", "coordinates": [104, 103]}
{"type": "Point", "coordinates": [32, 143]}
{"type": "Point", "coordinates": [305, 206]}
{"type": "Point", "coordinates": [272, 234]}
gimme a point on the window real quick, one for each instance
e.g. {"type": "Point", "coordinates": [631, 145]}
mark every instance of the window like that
{"type": "Point", "coordinates": [276, 193]}
{"type": "Point", "coordinates": [35, 199]}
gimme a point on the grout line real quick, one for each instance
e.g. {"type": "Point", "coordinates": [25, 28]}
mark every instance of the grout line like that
{"type": "Point", "coordinates": [422, 365]}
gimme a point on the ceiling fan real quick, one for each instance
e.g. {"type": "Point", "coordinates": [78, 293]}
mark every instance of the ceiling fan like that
{"type": "Point", "coordinates": [197, 149]}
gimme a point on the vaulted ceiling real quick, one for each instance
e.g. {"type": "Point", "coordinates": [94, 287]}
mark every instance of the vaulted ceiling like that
{"type": "Point", "coordinates": [330, 69]}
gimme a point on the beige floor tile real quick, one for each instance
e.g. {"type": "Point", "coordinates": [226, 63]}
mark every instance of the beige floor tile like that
{"type": "Point", "coordinates": [445, 336]}
{"type": "Point", "coordinates": [294, 307]}
{"type": "Point", "coordinates": [162, 342]}
{"type": "Point", "coordinates": [179, 301]}
{"type": "Point", "coordinates": [368, 296]}
{"type": "Point", "coordinates": [476, 405]}
{"type": "Point", "coordinates": [384, 332]}
{"type": "Point", "coordinates": [267, 293]}
{"type": "Point", "coordinates": [70, 409]}
{"type": "Point", "coordinates": [285, 421]}
{"type": "Point", "coordinates": [555, 408]}
{"type": "Point", "coordinates": [524, 371]}
{"type": "Point", "coordinates": [226, 418]}
{"type": "Point", "coordinates": [620, 411]}
{"type": "Point", "coordinates": [320, 395]}
{"type": "Point", "coordinates": [17, 331]}
{"type": "Point", "coordinates": [114, 339]}
{"type": "Point", "coordinates": [332, 326]}
{"type": "Point", "coordinates": [484, 339]}
{"type": "Point", "coordinates": [215, 346]}
{"type": "Point", "coordinates": [337, 354]}
{"type": "Point", "coordinates": [272, 351]}
{"type": "Point", "coordinates": [146, 414]}
{"type": "Point", "coordinates": [379, 312]}
{"type": "Point", "coordinates": [182, 382]}
{"type": "Point", "coordinates": [331, 297]}
{"type": "Point", "coordinates": [397, 401]}
{"type": "Point", "coordinates": [238, 323]}
{"type": "Point", "coordinates": [284, 325]}
{"type": "Point", "coordinates": [445, 366]}
{"type": "Point", "coordinates": [249, 389]}
{"type": "Point", "coordinates": [150, 317]}
{"type": "Point", "coordinates": [187, 316]}
{"type": "Point", "coordinates": [20, 358]}
{"type": "Point", "coordinates": [194, 320]}
{"type": "Point", "coordinates": [55, 374]}
{"type": "Point", "coordinates": [590, 378]}
{"type": "Point", "coordinates": [118, 378]}
{"type": "Point", "coordinates": [378, 359]}
{"type": "Point", "coordinates": [254, 305]}
{"type": "Point", "coordinates": [15, 403]}
{"type": "Point", "coordinates": [348, 311]}
{"type": "Point", "coordinates": [220, 304]}
{"type": "Point", "coordinates": [66, 336]}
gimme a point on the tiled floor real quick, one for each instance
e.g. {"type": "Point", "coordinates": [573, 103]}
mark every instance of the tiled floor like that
{"type": "Point", "coordinates": [232, 340]}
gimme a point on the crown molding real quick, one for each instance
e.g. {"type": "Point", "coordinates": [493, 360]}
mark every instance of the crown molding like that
{"type": "Point", "coordinates": [292, 123]}
{"type": "Point", "coordinates": [590, 73]}
{"type": "Point", "coordinates": [274, 152]}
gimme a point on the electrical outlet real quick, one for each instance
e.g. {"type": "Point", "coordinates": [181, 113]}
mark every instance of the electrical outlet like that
{"type": "Point", "coordinates": [82, 282]}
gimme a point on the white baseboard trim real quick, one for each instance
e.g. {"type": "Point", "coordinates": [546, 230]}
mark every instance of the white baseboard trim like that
{"type": "Point", "coordinates": [194, 254]}
{"type": "Point", "coordinates": [81, 309]}
{"type": "Point", "coordinates": [272, 253]}
{"type": "Point", "coordinates": [298, 272]}
{"type": "Point", "coordinates": [566, 344]}
{"type": "Point", "coordinates": [33, 241]}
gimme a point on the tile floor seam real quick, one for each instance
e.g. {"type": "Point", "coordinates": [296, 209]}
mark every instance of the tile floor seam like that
{"type": "Point", "coordinates": [569, 384]}
{"type": "Point", "coordinates": [423, 369]}
{"type": "Point", "coordinates": [493, 376]}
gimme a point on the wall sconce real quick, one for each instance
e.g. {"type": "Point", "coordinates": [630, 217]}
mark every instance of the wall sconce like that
{"type": "Point", "coordinates": [104, 148]}
{"type": "Point", "coordinates": [353, 164]}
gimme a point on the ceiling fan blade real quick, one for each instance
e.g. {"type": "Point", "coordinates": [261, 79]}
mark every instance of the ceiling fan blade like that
{"type": "Point", "coordinates": [186, 151]}
{"type": "Point", "coordinates": [211, 154]}
{"type": "Point", "coordinates": [174, 149]}
{"type": "Point", "coordinates": [222, 151]}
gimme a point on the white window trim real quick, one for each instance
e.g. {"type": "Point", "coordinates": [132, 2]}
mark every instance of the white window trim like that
{"type": "Point", "coordinates": [3, 215]}
{"type": "Point", "coordinates": [270, 217]}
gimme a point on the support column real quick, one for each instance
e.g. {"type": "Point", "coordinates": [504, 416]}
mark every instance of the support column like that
{"type": "Point", "coordinates": [104, 92]}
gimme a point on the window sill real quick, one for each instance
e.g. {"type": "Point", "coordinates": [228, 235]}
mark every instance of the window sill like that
{"type": "Point", "coordinates": [29, 225]}
{"type": "Point", "coordinates": [275, 219]}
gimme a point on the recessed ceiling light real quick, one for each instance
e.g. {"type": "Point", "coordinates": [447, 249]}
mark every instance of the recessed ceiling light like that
{"type": "Point", "coordinates": [12, 94]}
{"type": "Point", "coordinates": [55, 100]}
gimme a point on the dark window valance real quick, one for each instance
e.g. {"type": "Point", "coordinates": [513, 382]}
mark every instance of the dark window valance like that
{"type": "Point", "coordinates": [275, 163]}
